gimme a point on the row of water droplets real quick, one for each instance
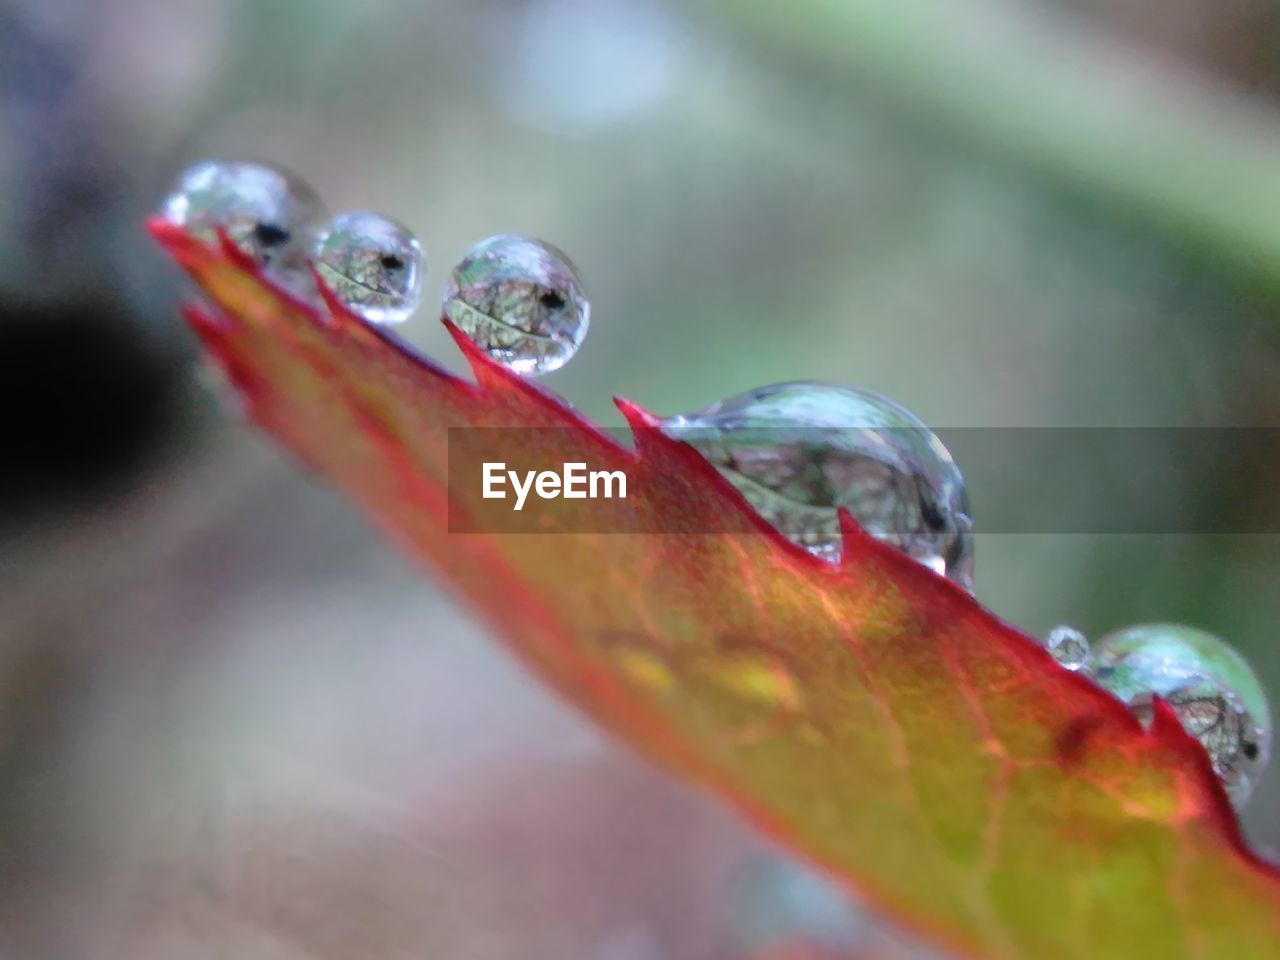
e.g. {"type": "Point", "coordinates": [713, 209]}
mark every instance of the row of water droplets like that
{"type": "Point", "coordinates": [520, 299]}
{"type": "Point", "coordinates": [797, 452]}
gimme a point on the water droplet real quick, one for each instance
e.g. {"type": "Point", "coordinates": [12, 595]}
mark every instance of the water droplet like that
{"type": "Point", "coordinates": [1209, 686]}
{"type": "Point", "coordinates": [799, 451]}
{"type": "Point", "coordinates": [271, 215]}
{"type": "Point", "coordinates": [1069, 647]}
{"type": "Point", "coordinates": [373, 264]}
{"type": "Point", "coordinates": [521, 301]}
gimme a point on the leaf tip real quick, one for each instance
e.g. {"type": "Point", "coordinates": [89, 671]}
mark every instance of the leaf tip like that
{"type": "Point", "coordinates": [645, 427]}
{"type": "Point", "coordinates": [174, 240]}
{"type": "Point", "coordinates": [637, 417]}
{"type": "Point", "coordinates": [336, 312]}
{"type": "Point", "coordinates": [163, 231]}
{"type": "Point", "coordinates": [853, 538]}
{"type": "Point", "coordinates": [483, 367]}
{"type": "Point", "coordinates": [235, 256]}
{"type": "Point", "coordinates": [206, 322]}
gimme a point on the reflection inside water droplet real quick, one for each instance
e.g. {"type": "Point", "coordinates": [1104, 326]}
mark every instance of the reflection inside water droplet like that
{"type": "Point", "coordinates": [521, 301]}
{"type": "Point", "coordinates": [271, 215]}
{"type": "Point", "coordinates": [373, 265]}
{"type": "Point", "coordinates": [799, 451]}
{"type": "Point", "coordinates": [1209, 686]}
{"type": "Point", "coordinates": [1069, 647]}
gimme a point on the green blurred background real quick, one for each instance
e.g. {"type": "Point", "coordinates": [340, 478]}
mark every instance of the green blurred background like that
{"type": "Point", "coordinates": [236, 724]}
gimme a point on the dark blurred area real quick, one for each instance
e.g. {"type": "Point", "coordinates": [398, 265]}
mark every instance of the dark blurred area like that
{"type": "Point", "coordinates": [234, 723]}
{"type": "Point", "coordinates": [98, 402]}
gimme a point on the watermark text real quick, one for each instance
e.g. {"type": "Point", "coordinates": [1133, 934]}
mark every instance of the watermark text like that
{"type": "Point", "coordinates": [573, 482]}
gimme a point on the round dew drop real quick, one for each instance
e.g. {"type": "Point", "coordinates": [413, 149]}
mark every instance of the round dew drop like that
{"type": "Point", "coordinates": [1209, 686]}
{"type": "Point", "coordinates": [1069, 647]}
{"type": "Point", "coordinates": [271, 215]}
{"type": "Point", "coordinates": [521, 301]}
{"type": "Point", "coordinates": [373, 265]}
{"type": "Point", "coordinates": [800, 451]}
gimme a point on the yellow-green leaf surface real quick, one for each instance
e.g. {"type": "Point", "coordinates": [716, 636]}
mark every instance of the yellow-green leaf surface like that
{"type": "Point", "coordinates": [870, 716]}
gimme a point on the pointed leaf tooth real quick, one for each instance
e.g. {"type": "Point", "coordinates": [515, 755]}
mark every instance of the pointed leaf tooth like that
{"type": "Point", "coordinates": [853, 538]}
{"type": "Point", "coordinates": [237, 256]}
{"type": "Point", "coordinates": [646, 428]}
{"type": "Point", "coordinates": [209, 322]}
{"type": "Point", "coordinates": [488, 372]}
{"type": "Point", "coordinates": [177, 242]}
{"type": "Point", "coordinates": [339, 314]}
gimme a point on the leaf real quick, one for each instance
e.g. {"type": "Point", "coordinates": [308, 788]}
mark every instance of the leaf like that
{"type": "Point", "coordinates": [870, 716]}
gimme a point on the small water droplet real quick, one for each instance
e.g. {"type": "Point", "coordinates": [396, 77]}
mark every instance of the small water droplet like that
{"type": "Point", "coordinates": [1209, 686]}
{"type": "Point", "coordinates": [373, 264]}
{"type": "Point", "coordinates": [799, 451]}
{"type": "Point", "coordinates": [521, 301]}
{"type": "Point", "coordinates": [268, 213]}
{"type": "Point", "coordinates": [1069, 647]}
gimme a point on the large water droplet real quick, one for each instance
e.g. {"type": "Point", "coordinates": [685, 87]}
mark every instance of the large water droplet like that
{"type": "Point", "coordinates": [521, 301]}
{"type": "Point", "coordinates": [373, 264]}
{"type": "Point", "coordinates": [799, 451]}
{"type": "Point", "coordinates": [1210, 687]}
{"type": "Point", "coordinates": [271, 215]}
{"type": "Point", "coordinates": [1069, 647]}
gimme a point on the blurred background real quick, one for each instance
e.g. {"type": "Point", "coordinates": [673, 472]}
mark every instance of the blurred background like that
{"type": "Point", "coordinates": [237, 724]}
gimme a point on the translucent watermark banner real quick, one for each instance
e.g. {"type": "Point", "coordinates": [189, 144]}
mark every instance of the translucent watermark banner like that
{"type": "Point", "coordinates": [1018, 480]}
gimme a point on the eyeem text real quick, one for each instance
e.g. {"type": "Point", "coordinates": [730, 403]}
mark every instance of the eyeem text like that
{"type": "Point", "coordinates": [573, 482]}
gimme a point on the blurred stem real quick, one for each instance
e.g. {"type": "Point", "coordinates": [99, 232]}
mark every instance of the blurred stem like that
{"type": "Point", "coordinates": [1201, 162]}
